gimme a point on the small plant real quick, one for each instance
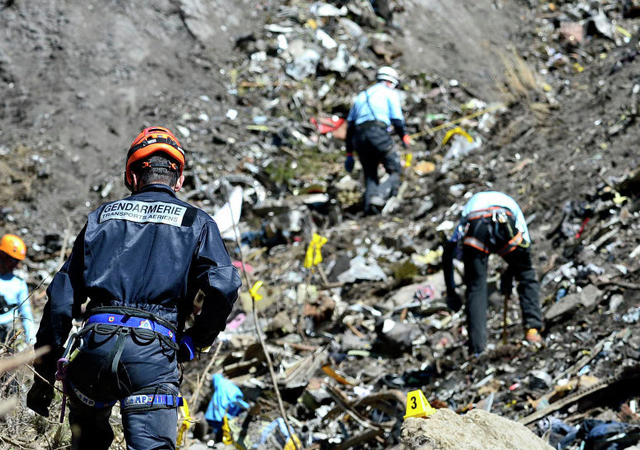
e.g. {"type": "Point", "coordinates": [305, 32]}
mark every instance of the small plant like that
{"type": "Point", "coordinates": [519, 79]}
{"type": "Point", "coordinates": [405, 271]}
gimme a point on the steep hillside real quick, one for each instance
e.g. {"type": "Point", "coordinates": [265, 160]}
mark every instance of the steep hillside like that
{"type": "Point", "coordinates": [548, 93]}
{"type": "Point", "coordinates": [79, 81]}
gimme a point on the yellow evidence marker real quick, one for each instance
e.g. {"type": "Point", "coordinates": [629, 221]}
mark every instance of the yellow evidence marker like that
{"type": "Point", "coordinates": [417, 405]}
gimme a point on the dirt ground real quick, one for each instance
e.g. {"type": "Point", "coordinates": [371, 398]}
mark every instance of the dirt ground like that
{"type": "Point", "coordinates": [78, 82]}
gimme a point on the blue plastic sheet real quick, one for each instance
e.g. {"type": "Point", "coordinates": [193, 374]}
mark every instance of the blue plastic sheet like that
{"type": "Point", "coordinates": [278, 428]}
{"type": "Point", "coordinates": [227, 398]}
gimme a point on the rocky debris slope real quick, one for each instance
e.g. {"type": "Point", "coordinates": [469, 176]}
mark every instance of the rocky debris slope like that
{"type": "Point", "coordinates": [261, 115]}
{"type": "Point", "coordinates": [476, 430]}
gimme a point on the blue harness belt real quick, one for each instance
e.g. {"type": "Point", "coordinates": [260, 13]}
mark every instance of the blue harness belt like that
{"type": "Point", "coordinates": [132, 400]}
{"type": "Point", "coordinates": [152, 399]}
{"type": "Point", "coordinates": [122, 320]}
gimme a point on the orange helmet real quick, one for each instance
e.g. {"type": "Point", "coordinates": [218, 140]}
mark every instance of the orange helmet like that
{"type": "Point", "coordinates": [13, 246]}
{"type": "Point", "coordinates": [153, 140]}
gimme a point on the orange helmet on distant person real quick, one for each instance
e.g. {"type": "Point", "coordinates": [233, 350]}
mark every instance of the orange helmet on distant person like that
{"type": "Point", "coordinates": [153, 140]}
{"type": "Point", "coordinates": [13, 246]}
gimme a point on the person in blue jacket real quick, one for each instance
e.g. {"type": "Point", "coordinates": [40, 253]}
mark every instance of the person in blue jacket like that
{"type": "Point", "coordinates": [14, 294]}
{"type": "Point", "coordinates": [139, 261]}
{"type": "Point", "coordinates": [492, 222]}
{"type": "Point", "coordinates": [373, 112]}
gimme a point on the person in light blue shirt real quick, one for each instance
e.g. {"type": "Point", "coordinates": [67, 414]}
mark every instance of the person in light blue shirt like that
{"type": "Point", "coordinates": [492, 222]}
{"type": "Point", "coordinates": [486, 200]}
{"type": "Point", "coordinates": [373, 112]}
{"type": "Point", "coordinates": [378, 103]}
{"type": "Point", "coordinates": [14, 294]}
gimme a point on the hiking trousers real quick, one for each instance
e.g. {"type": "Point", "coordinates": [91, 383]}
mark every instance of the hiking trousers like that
{"type": "Point", "coordinates": [375, 146]}
{"type": "Point", "coordinates": [475, 276]}
{"type": "Point", "coordinates": [123, 366]}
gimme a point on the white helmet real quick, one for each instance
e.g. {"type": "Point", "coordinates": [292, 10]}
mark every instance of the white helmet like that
{"type": "Point", "coordinates": [386, 73]}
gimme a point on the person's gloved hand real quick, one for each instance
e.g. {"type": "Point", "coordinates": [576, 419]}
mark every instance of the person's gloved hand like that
{"type": "Point", "coordinates": [454, 301]}
{"type": "Point", "coordinates": [187, 351]}
{"type": "Point", "coordinates": [406, 141]}
{"type": "Point", "coordinates": [349, 163]}
{"type": "Point", "coordinates": [40, 396]}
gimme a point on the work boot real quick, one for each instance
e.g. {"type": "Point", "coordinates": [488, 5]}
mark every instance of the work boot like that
{"type": "Point", "coordinates": [533, 337]}
{"type": "Point", "coordinates": [377, 200]}
{"type": "Point", "coordinates": [376, 204]}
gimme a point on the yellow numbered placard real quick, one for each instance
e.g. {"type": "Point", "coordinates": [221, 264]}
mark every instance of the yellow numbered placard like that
{"type": "Point", "coordinates": [417, 405]}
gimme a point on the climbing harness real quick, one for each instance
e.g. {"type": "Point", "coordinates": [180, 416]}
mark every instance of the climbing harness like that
{"type": "Point", "coordinates": [61, 374]}
{"type": "Point", "coordinates": [123, 322]}
{"type": "Point", "coordinates": [500, 218]}
{"type": "Point", "coordinates": [128, 321]}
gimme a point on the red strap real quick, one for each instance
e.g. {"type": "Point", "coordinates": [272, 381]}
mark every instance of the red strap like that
{"type": "Point", "coordinates": [512, 244]}
{"type": "Point", "coordinates": [488, 212]}
{"type": "Point", "coordinates": [475, 243]}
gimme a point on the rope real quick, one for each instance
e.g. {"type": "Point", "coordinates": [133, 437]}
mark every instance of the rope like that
{"type": "Point", "coordinates": [255, 320]}
{"type": "Point", "coordinates": [457, 121]}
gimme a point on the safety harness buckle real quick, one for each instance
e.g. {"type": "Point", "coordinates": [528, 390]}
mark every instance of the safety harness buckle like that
{"type": "Point", "coordinates": [500, 217]}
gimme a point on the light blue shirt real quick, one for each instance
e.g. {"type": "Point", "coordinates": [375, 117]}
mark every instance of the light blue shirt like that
{"type": "Point", "coordinates": [16, 295]}
{"type": "Point", "coordinates": [383, 105]}
{"type": "Point", "coordinates": [484, 200]}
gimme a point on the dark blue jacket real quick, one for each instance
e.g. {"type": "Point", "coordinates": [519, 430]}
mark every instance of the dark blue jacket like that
{"type": "Point", "coordinates": [149, 251]}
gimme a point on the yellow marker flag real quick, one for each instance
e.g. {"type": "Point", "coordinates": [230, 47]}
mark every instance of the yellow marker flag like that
{"type": "Point", "coordinates": [227, 439]}
{"type": "Point", "coordinates": [314, 254]}
{"type": "Point", "coordinates": [254, 291]}
{"type": "Point", "coordinates": [291, 445]}
{"type": "Point", "coordinates": [417, 405]}
{"type": "Point", "coordinates": [624, 32]}
{"type": "Point", "coordinates": [619, 199]}
{"type": "Point", "coordinates": [456, 130]}
{"type": "Point", "coordinates": [408, 159]}
{"type": "Point", "coordinates": [185, 424]}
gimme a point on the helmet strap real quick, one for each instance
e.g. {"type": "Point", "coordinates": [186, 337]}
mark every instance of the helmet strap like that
{"type": "Point", "coordinates": [134, 186]}
{"type": "Point", "coordinates": [168, 165]}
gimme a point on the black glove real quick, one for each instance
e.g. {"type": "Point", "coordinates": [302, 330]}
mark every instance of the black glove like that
{"type": "Point", "coordinates": [40, 396]}
{"type": "Point", "coordinates": [349, 163]}
{"type": "Point", "coordinates": [454, 301]}
{"type": "Point", "coordinates": [187, 351]}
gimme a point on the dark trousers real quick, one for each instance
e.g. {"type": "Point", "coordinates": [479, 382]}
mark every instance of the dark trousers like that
{"type": "Point", "coordinates": [475, 274]}
{"type": "Point", "coordinates": [4, 333]}
{"type": "Point", "coordinates": [145, 366]}
{"type": "Point", "coordinates": [375, 146]}
{"type": "Point", "coordinates": [154, 429]}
